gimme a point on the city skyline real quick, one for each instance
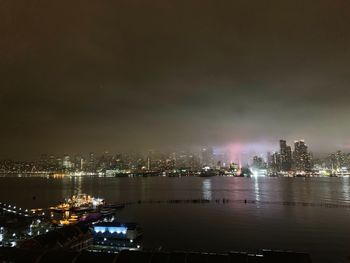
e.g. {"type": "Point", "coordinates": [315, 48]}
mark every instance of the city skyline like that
{"type": "Point", "coordinates": [235, 151]}
{"type": "Point", "coordinates": [290, 161]}
{"type": "Point", "coordinates": [186, 130]}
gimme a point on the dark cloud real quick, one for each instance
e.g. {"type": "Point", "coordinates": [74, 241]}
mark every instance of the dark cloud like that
{"type": "Point", "coordinates": [91, 75]}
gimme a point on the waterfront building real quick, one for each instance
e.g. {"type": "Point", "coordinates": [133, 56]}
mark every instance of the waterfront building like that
{"type": "Point", "coordinates": [91, 163]}
{"type": "Point", "coordinates": [286, 156]}
{"type": "Point", "coordinates": [53, 163]}
{"type": "Point", "coordinates": [115, 236]}
{"type": "Point", "coordinates": [79, 162]}
{"type": "Point", "coordinates": [67, 164]}
{"type": "Point", "coordinates": [207, 156]}
{"type": "Point", "coordinates": [337, 161]}
{"type": "Point", "coordinates": [301, 157]}
{"type": "Point", "coordinates": [258, 163]}
{"type": "Point", "coordinates": [274, 163]}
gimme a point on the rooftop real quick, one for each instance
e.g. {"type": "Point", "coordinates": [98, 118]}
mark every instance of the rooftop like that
{"type": "Point", "coordinates": [129, 226]}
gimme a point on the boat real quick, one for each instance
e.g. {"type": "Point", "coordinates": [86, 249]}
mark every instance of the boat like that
{"type": "Point", "coordinates": [84, 208]}
{"type": "Point", "coordinates": [61, 208]}
{"type": "Point", "coordinates": [78, 203]}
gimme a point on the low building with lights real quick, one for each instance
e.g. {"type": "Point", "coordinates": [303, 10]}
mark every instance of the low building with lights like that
{"type": "Point", "coordinates": [115, 236]}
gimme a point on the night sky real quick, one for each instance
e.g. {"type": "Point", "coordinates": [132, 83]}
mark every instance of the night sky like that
{"type": "Point", "coordinates": [80, 76]}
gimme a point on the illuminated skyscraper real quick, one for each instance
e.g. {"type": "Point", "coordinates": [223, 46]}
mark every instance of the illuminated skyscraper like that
{"type": "Point", "coordinates": [92, 162]}
{"type": "Point", "coordinates": [53, 165]}
{"type": "Point", "coordinates": [207, 156]}
{"type": "Point", "coordinates": [286, 156]}
{"type": "Point", "coordinates": [79, 162]}
{"type": "Point", "coordinates": [301, 156]}
{"type": "Point", "coordinates": [274, 163]}
{"type": "Point", "coordinates": [258, 163]}
{"type": "Point", "coordinates": [337, 160]}
{"type": "Point", "coordinates": [67, 164]}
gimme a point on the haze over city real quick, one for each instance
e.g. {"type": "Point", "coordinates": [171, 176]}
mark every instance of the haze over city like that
{"type": "Point", "coordinates": [175, 131]}
{"type": "Point", "coordinates": [93, 76]}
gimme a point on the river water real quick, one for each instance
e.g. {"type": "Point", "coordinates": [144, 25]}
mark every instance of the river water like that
{"type": "Point", "coordinates": [301, 214]}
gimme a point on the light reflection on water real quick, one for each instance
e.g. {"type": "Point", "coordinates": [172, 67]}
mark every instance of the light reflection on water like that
{"type": "Point", "coordinates": [268, 224]}
{"type": "Point", "coordinates": [206, 189]}
{"type": "Point", "coordinates": [346, 189]}
{"type": "Point", "coordinates": [256, 189]}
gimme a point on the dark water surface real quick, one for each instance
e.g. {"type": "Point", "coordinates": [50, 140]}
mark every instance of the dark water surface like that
{"type": "Point", "coordinates": [288, 213]}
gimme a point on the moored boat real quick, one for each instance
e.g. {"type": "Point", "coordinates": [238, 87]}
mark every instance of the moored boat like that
{"type": "Point", "coordinates": [78, 203]}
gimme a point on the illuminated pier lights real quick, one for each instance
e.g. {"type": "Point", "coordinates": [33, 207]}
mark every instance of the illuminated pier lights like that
{"type": "Point", "coordinates": [19, 211]}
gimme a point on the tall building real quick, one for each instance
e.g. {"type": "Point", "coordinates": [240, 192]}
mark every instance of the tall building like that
{"type": "Point", "coordinates": [276, 162]}
{"type": "Point", "coordinates": [337, 161]}
{"type": "Point", "coordinates": [258, 163]}
{"type": "Point", "coordinates": [79, 162]}
{"type": "Point", "coordinates": [301, 156]}
{"type": "Point", "coordinates": [53, 163]}
{"type": "Point", "coordinates": [66, 163]}
{"type": "Point", "coordinates": [92, 162]}
{"type": "Point", "coordinates": [269, 159]}
{"type": "Point", "coordinates": [286, 156]}
{"type": "Point", "coordinates": [207, 156]}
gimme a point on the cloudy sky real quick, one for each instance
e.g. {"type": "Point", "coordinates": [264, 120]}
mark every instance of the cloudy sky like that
{"type": "Point", "coordinates": [87, 75]}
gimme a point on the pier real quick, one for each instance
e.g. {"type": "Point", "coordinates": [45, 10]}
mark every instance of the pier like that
{"type": "Point", "coordinates": [11, 209]}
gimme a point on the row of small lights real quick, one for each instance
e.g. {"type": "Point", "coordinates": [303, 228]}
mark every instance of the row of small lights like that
{"type": "Point", "coordinates": [19, 209]}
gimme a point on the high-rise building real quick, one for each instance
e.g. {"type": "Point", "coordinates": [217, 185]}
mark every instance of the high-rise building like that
{"type": "Point", "coordinates": [286, 156]}
{"type": "Point", "coordinates": [337, 161]}
{"type": "Point", "coordinates": [66, 163]}
{"type": "Point", "coordinates": [79, 162]}
{"type": "Point", "coordinates": [207, 156]}
{"type": "Point", "coordinates": [276, 162]}
{"type": "Point", "coordinates": [92, 162]}
{"type": "Point", "coordinates": [301, 156]}
{"type": "Point", "coordinates": [53, 163]}
{"type": "Point", "coordinates": [258, 163]}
